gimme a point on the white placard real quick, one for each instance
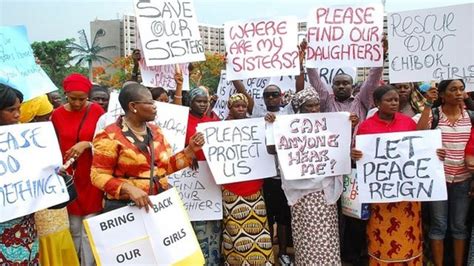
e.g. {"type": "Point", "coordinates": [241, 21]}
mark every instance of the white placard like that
{"type": "Point", "coordinates": [259, 47]}
{"type": "Point", "coordinates": [201, 197]}
{"type": "Point", "coordinates": [345, 36]}
{"type": "Point", "coordinates": [236, 150]}
{"type": "Point", "coordinates": [431, 44]}
{"type": "Point", "coordinates": [169, 32]}
{"type": "Point", "coordinates": [400, 166]}
{"type": "Point", "coordinates": [18, 68]}
{"type": "Point", "coordinates": [313, 145]}
{"type": "Point", "coordinates": [129, 235]}
{"type": "Point", "coordinates": [28, 179]}
{"type": "Point", "coordinates": [173, 121]}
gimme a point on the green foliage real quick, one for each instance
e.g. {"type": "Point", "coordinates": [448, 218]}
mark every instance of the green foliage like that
{"type": "Point", "coordinates": [55, 57]}
{"type": "Point", "coordinates": [207, 73]}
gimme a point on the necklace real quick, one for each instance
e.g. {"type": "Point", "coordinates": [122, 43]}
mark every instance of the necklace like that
{"type": "Point", "coordinates": [137, 132]}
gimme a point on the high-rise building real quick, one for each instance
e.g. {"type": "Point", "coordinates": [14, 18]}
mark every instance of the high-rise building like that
{"type": "Point", "coordinates": [130, 32]}
{"type": "Point", "coordinates": [107, 33]}
{"type": "Point", "coordinates": [212, 38]}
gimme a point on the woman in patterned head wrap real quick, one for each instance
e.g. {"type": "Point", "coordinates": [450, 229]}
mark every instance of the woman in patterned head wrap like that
{"type": "Point", "coordinates": [312, 202]}
{"type": "Point", "coordinates": [246, 235]}
{"type": "Point", "coordinates": [207, 232]}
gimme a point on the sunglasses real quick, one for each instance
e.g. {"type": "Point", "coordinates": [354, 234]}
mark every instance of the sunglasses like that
{"type": "Point", "coordinates": [274, 94]}
{"type": "Point", "coordinates": [145, 102]}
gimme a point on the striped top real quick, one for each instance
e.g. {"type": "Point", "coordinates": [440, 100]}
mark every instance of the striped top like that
{"type": "Point", "coordinates": [455, 137]}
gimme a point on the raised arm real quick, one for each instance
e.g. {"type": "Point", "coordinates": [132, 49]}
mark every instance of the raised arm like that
{"type": "Point", "coordinates": [368, 87]}
{"type": "Point", "coordinates": [425, 119]}
{"type": "Point", "coordinates": [318, 85]}
{"type": "Point", "coordinates": [299, 80]}
{"type": "Point", "coordinates": [178, 96]}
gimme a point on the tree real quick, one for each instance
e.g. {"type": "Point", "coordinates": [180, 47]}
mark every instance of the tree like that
{"type": "Point", "coordinates": [123, 72]}
{"type": "Point", "coordinates": [209, 71]}
{"type": "Point", "coordinates": [90, 54]}
{"type": "Point", "coordinates": [55, 57]}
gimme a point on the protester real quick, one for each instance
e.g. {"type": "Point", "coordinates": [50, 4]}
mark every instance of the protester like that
{"type": "Point", "coordinates": [19, 241]}
{"type": "Point", "coordinates": [161, 95]}
{"type": "Point", "coordinates": [469, 154]}
{"type": "Point", "coordinates": [75, 124]}
{"type": "Point", "coordinates": [55, 99]}
{"type": "Point", "coordinates": [100, 95]}
{"type": "Point", "coordinates": [55, 242]}
{"type": "Point", "coordinates": [246, 236]}
{"type": "Point", "coordinates": [314, 218]}
{"type": "Point", "coordinates": [387, 244]}
{"type": "Point", "coordinates": [453, 120]}
{"type": "Point", "coordinates": [208, 232]}
{"type": "Point", "coordinates": [121, 166]}
{"type": "Point", "coordinates": [136, 74]}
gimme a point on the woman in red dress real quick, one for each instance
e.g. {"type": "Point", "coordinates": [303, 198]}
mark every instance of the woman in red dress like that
{"type": "Point", "coordinates": [75, 124]}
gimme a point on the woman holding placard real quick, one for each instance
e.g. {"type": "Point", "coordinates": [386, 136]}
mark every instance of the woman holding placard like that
{"type": "Point", "coordinates": [18, 237]}
{"type": "Point", "coordinates": [449, 115]}
{"type": "Point", "coordinates": [75, 124]}
{"type": "Point", "coordinates": [246, 235]}
{"type": "Point", "coordinates": [314, 215]}
{"type": "Point", "coordinates": [394, 229]}
{"type": "Point", "coordinates": [208, 232]}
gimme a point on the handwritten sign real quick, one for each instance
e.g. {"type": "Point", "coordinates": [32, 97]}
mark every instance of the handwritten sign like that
{"type": "Point", "coordinates": [224, 90]}
{"type": "Point", "coordinates": [173, 121]}
{"type": "Point", "coordinates": [259, 47]}
{"type": "Point", "coordinates": [169, 32]}
{"type": "Point", "coordinates": [345, 36]}
{"type": "Point", "coordinates": [28, 179]}
{"type": "Point", "coordinates": [131, 236]}
{"type": "Point", "coordinates": [431, 44]}
{"type": "Point", "coordinates": [313, 145]}
{"type": "Point", "coordinates": [400, 167]}
{"type": "Point", "coordinates": [161, 76]}
{"type": "Point", "coordinates": [236, 150]}
{"type": "Point", "coordinates": [17, 64]}
{"type": "Point", "coordinates": [201, 197]}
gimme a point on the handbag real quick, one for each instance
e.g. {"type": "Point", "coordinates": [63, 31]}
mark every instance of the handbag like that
{"type": "Point", "coordinates": [112, 204]}
{"type": "Point", "coordinates": [69, 179]}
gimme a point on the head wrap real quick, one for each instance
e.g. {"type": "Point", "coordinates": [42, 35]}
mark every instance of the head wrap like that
{"type": "Point", "coordinates": [237, 97]}
{"type": "Point", "coordinates": [424, 87]}
{"type": "Point", "coordinates": [197, 91]}
{"type": "Point", "coordinates": [38, 106]}
{"type": "Point", "coordinates": [77, 82]}
{"type": "Point", "coordinates": [302, 97]}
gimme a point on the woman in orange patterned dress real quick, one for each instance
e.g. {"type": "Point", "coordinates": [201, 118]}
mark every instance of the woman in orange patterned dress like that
{"type": "Point", "coordinates": [394, 229]}
{"type": "Point", "coordinates": [121, 164]}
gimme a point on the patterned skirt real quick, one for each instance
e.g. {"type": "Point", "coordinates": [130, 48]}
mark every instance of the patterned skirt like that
{"type": "Point", "coordinates": [19, 242]}
{"type": "Point", "coordinates": [246, 237]}
{"type": "Point", "coordinates": [208, 234]}
{"type": "Point", "coordinates": [315, 231]}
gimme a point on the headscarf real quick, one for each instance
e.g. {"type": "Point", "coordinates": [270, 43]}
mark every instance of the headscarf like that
{"type": "Point", "coordinates": [77, 82]}
{"type": "Point", "coordinates": [38, 106]}
{"type": "Point", "coordinates": [237, 97]}
{"type": "Point", "coordinates": [302, 97]}
{"type": "Point", "coordinates": [197, 91]}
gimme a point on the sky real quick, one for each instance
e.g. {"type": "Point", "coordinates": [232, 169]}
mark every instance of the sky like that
{"type": "Point", "coordinates": [60, 19]}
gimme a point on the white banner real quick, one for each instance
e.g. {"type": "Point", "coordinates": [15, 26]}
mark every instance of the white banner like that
{"type": "Point", "coordinates": [128, 235]}
{"type": "Point", "coordinates": [350, 202]}
{"type": "Point", "coordinates": [345, 36]}
{"type": "Point", "coordinates": [313, 145]}
{"type": "Point", "coordinates": [18, 68]}
{"type": "Point", "coordinates": [169, 32]}
{"type": "Point", "coordinates": [431, 44]}
{"type": "Point", "coordinates": [400, 166]}
{"type": "Point", "coordinates": [28, 179]}
{"type": "Point", "coordinates": [173, 121]}
{"type": "Point", "coordinates": [260, 48]}
{"type": "Point", "coordinates": [201, 197]}
{"type": "Point", "coordinates": [235, 150]}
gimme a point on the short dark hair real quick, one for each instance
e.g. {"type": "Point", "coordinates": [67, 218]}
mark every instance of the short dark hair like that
{"type": "Point", "coordinates": [380, 91]}
{"type": "Point", "coordinates": [343, 74]}
{"type": "Point", "coordinates": [273, 85]}
{"type": "Point", "coordinates": [130, 93]}
{"type": "Point", "coordinates": [98, 88]}
{"type": "Point", "coordinates": [157, 91]}
{"type": "Point", "coordinates": [8, 96]}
